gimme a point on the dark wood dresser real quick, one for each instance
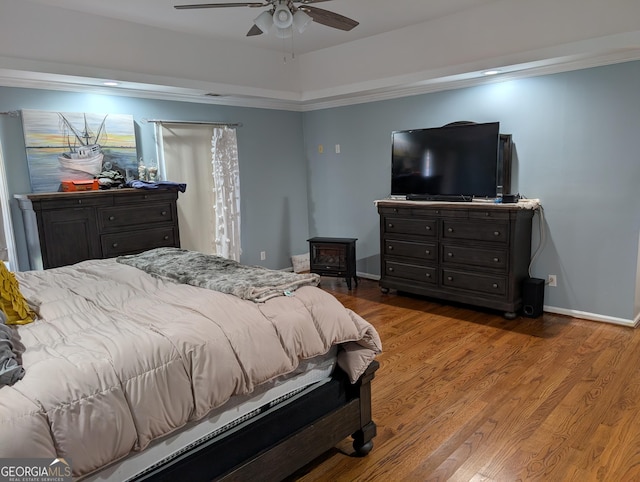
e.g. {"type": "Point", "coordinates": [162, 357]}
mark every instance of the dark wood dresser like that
{"type": "Point", "coordinates": [472, 253]}
{"type": "Point", "coordinates": [63, 228]}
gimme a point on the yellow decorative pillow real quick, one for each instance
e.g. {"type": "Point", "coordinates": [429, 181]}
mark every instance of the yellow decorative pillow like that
{"type": "Point", "coordinates": [12, 303]}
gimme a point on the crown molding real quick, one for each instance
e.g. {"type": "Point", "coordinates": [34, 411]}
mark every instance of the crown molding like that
{"type": "Point", "coordinates": [31, 80]}
{"type": "Point", "coordinates": [514, 72]}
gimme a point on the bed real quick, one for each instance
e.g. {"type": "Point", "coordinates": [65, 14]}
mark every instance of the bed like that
{"type": "Point", "coordinates": [148, 368]}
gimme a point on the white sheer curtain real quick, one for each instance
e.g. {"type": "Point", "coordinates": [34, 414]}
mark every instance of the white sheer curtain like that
{"type": "Point", "coordinates": [226, 175]}
{"type": "Point", "coordinates": [206, 159]}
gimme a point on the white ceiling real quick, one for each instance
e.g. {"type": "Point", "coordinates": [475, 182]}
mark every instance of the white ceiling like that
{"type": "Point", "coordinates": [400, 47]}
{"type": "Point", "coordinates": [375, 17]}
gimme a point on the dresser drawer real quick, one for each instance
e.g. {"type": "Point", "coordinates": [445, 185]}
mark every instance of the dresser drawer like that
{"type": "Point", "coordinates": [113, 218]}
{"type": "Point", "coordinates": [117, 244]}
{"type": "Point", "coordinates": [497, 232]}
{"type": "Point", "coordinates": [422, 227]}
{"type": "Point", "coordinates": [423, 211]}
{"type": "Point", "coordinates": [424, 274]}
{"type": "Point", "coordinates": [68, 202]}
{"type": "Point", "coordinates": [495, 285]}
{"type": "Point", "coordinates": [488, 214]}
{"type": "Point", "coordinates": [394, 247]}
{"type": "Point", "coordinates": [141, 196]}
{"type": "Point", "coordinates": [487, 258]}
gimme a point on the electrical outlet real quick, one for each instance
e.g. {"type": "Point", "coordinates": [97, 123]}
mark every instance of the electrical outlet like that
{"type": "Point", "coordinates": [263, 255]}
{"type": "Point", "coordinates": [552, 280]}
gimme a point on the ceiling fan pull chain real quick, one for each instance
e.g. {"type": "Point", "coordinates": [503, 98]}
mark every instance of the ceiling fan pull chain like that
{"type": "Point", "coordinates": [293, 54]}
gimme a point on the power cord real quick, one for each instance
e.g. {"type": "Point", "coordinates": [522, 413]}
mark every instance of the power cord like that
{"type": "Point", "coordinates": [543, 237]}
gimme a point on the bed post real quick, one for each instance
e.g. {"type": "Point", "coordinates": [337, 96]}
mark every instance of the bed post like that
{"type": "Point", "coordinates": [363, 438]}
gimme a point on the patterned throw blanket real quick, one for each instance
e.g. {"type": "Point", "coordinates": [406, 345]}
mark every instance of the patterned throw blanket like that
{"type": "Point", "coordinates": [10, 368]}
{"type": "Point", "coordinates": [253, 283]}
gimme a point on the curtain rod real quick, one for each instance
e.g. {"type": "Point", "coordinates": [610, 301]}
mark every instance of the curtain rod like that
{"type": "Point", "coordinates": [207, 123]}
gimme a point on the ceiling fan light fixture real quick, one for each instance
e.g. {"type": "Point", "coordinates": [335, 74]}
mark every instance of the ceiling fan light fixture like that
{"type": "Point", "coordinates": [284, 32]}
{"type": "Point", "coordinates": [282, 16]}
{"type": "Point", "coordinates": [264, 21]}
{"type": "Point", "coordinates": [301, 21]}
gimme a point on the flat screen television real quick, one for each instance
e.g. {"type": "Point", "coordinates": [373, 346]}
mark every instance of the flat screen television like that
{"type": "Point", "coordinates": [458, 160]}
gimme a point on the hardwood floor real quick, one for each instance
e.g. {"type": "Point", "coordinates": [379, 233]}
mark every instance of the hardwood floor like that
{"type": "Point", "coordinates": [465, 395]}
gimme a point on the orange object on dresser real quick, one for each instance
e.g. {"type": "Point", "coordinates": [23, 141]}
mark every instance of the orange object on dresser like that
{"type": "Point", "coordinates": [80, 185]}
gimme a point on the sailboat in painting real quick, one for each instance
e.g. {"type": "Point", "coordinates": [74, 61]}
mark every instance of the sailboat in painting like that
{"type": "Point", "coordinates": [87, 156]}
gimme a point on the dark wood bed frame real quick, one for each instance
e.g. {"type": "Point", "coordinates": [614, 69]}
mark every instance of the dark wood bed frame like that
{"type": "Point", "coordinates": [283, 439]}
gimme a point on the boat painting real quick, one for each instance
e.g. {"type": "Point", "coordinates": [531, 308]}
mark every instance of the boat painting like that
{"type": "Point", "coordinates": [88, 156]}
{"type": "Point", "coordinates": [85, 159]}
{"type": "Point", "coordinates": [77, 146]}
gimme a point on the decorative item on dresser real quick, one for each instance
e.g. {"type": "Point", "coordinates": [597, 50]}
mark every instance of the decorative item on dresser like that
{"type": "Point", "coordinates": [63, 228]}
{"type": "Point", "coordinates": [334, 257]}
{"type": "Point", "coordinates": [472, 253]}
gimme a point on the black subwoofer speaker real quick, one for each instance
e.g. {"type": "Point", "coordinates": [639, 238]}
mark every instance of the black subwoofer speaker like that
{"type": "Point", "coordinates": [532, 297]}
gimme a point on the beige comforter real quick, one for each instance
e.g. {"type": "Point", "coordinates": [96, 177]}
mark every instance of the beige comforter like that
{"type": "Point", "coordinates": [118, 358]}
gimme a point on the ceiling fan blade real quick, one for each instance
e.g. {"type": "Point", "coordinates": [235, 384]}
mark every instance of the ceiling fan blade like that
{"type": "Point", "coordinates": [255, 30]}
{"type": "Point", "coordinates": [306, 2]}
{"type": "Point", "coordinates": [330, 19]}
{"type": "Point", "coordinates": [221, 5]}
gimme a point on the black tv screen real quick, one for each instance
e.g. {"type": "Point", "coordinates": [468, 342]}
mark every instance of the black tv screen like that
{"type": "Point", "coordinates": [454, 160]}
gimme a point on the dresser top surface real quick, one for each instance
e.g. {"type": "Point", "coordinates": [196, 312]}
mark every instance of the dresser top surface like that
{"type": "Point", "coordinates": [532, 204]}
{"type": "Point", "coordinates": [87, 194]}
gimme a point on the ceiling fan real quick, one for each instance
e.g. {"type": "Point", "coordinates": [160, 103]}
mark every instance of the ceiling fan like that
{"type": "Point", "coordinates": [284, 15]}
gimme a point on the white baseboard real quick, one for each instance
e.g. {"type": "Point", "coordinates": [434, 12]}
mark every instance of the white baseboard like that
{"type": "Point", "coordinates": [592, 316]}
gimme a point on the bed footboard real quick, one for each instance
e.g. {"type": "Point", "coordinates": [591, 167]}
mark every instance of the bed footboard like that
{"type": "Point", "coordinates": [353, 419]}
{"type": "Point", "coordinates": [363, 437]}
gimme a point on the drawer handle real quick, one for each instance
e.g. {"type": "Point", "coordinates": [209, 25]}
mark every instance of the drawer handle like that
{"type": "Point", "coordinates": [427, 251]}
{"type": "Point", "coordinates": [390, 269]}
{"type": "Point", "coordinates": [111, 218]}
{"type": "Point", "coordinates": [166, 237]}
{"type": "Point", "coordinates": [428, 228]}
{"type": "Point", "coordinates": [164, 213]}
{"type": "Point", "coordinates": [496, 233]}
{"type": "Point", "coordinates": [495, 285]}
{"type": "Point", "coordinates": [450, 255]}
{"type": "Point", "coordinates": [428, 275]}
{"type": "Point", "coordinates": [487, 214]}
{"type": "Point", "coordinates": [79, 201]}
{"type": "Point", "coordinates": [449, 278]}
{"type": "Point", "coordinates": [496, 260]}
{"type": "Point", "coordinates": [450, 230]}
{"type": "Point", "coordinates": [114, 245]}
{"type": "Point", "coordinates": [390, 248]}
{"type": "Point", "coordinates": [390, 225]}
{"type": "Point", "coordinates": [395, 210]}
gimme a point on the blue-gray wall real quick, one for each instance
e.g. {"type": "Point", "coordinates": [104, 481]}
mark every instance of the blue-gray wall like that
{"type": "Point", "coordinates": [273, 171]}
{"type": "Point", "coordinates": [577, 140]}
{"type": "Point", "coordinates": [577, 149]}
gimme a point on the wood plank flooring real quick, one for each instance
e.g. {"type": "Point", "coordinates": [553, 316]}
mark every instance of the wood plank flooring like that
{"type": "Point", "coordinates": [466, 395]}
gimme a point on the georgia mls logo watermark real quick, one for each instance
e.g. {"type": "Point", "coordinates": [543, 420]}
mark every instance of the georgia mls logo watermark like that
{"type": "Point", "coordinates": [35, 470]}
